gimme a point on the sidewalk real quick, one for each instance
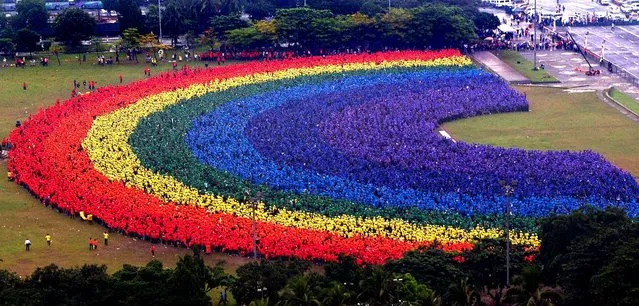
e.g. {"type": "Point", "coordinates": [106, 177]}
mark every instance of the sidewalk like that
{"type": "Point", "coordinates": [493, 63]}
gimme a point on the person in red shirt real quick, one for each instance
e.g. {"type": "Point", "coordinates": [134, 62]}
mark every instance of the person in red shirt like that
{"type": "Point", "coordinates": [120, 78]}
{"type": "Point", "coordinates": [153, 251]}
{"type": "Point", "coordinates": [24, 85]}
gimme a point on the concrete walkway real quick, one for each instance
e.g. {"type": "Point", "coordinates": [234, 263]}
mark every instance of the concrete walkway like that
{"type": "Point", "coordinates": [492, 62]}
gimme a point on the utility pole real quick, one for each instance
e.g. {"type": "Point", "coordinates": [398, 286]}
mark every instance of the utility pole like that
{"type": "Point", "coordinates": [389, 5]}
{"type": "Point", "coordinates": [254, 202]}
{"type": "Point", "coordinates": [160, 21]}
{"type": "Point", "coordinates": [535, 37]}
{"type": "Point", "coordinates": [509, 190]}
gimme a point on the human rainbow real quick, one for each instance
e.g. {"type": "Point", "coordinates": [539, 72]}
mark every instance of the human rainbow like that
{"type": "Point", "coordinates": [343, 150]}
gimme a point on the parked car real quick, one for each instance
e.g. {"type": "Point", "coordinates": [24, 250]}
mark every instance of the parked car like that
{"type": "Point", "coordinates": [627, 7]}
{"type": "Point", "coordinates": [604, 2]}
{"type": "Point", "coordinates": [613, 9]}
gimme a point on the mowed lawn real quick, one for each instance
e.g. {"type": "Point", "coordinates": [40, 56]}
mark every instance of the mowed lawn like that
{"type": "Point", "coordinates": [558, 121]}
{"type": "Point", "coordinates": [22, 216]}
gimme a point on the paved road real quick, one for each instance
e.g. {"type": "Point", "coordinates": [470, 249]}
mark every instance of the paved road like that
{"type": "Point", "coordinates": [621, 46]}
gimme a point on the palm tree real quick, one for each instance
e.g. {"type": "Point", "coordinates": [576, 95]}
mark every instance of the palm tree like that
{"type": "Point", "coordinates": [378, 288]}
{"type": "Point", "coordinates": [336, 295]}
{"type": "Point", "coordinates": [298, 293]}
{"type": "Point", "coordinates": [529, 291]}
{"type": "Point", "coordinates": [461, 294]}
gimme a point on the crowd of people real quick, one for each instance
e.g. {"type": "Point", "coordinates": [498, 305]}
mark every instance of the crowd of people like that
{"type": "Point", "coordinates": [76, 156]}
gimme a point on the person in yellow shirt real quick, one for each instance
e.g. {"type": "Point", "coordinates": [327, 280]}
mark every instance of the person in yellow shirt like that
{"type": "Point", "coordinates": [48, 238]}
{"type": "Point", "coordinates": [106, 238]}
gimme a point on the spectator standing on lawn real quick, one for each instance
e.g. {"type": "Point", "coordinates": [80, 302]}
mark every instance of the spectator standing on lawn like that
{"type": "Point", "coordinates": [153, 251]}
{"type": "Point", "coordinates": [27, 244]}
{"type": "Point", "coordinates": [48, 238]}
{"type": "Point", "coordinates": [106, 238]}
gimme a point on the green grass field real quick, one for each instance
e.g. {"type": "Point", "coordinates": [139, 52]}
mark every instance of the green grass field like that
{"type": "Point", "coordinates": [525, 67]}
{"type": "Point", "coordinates": [558, 121]}
{"type": "Point", "coordinates": [624, 100]}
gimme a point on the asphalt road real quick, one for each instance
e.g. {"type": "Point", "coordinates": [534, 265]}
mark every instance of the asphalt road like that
{"type": "Point", "coordinates": [621, 46]}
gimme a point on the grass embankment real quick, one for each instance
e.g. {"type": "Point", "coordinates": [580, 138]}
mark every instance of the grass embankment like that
{"type": "Point", "coordinates": [525, 67]}
{"type": "Point", "coordinates": [558, 120]}
{"type": "Point", "coordinates": [625, 100]}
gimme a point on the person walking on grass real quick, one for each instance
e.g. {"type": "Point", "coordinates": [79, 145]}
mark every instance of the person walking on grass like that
{"type": "Point", "coordinates": [106, 238]}
{"type": "Point", "coordinates": [48, 238]}
{"type": "Point", "coordinates": [27, 244]}
{"type": "Point", "coordinates": [153, 251]}
{"type": "Point", "coordinates": [120, 78]}
{"type": "Point", "coordinates": [90, 244]}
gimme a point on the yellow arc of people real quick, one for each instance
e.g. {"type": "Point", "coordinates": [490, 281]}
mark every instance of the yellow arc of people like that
{"type": "Point", "coordinates": [108, 148]}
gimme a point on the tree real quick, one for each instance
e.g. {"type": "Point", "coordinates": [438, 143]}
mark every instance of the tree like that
{"type": "Point", "coordinates": [326, 32]}
{"type": "Point", "coordinates": [462, 294]}
{"type": "Point", "coordinates": [360, 30]}
{"type": "Point", "coordinates": [380, 287]}
{"type": "Point", "coordinates": [191, 281]}
{"type": "Point", "coordinates": [293, 24]}
{"type": "Point", "coordinates": [27, 40]}
{"type": "Point", "coordinates": [272, 275]}
{"type": "Point", "coordinates": [440, 26]}
{"type": "Point", "coordinates": [529, 291]}
{"type": "Point", "coordinates": [220, 25]}
{"type": "Point", "coordinates": [32, 14]}
{"type": "Point", "coordinates": [430, 266]}
{"type": "Point", "coordinates": [617, 282]}
{"type": "Point", "coordinates": [260, 9]}
{"type": "Point", "coordinates": [131, 38]}
{"type": "Point", "coordinates": [340, 7]}
{"type": "Point", "coordinates": [298, 292]}
{"type": "Point", "coordinates": [576, 247]}
{"type": "Point", "coordinates": [336, 295]}
{"type": "Point", "coordinates": [7, 46]}
{"type": "Point", "coordinates": [395, 24]}
{"type": "Point", "coordinates": [485, 23]}
{"type": "Point", "coordinates": [56, 49]}
{"type": "Point", "coordinates": [486, 263]}
{"type": "Point", "coordinates": [370, 8]}
{"type": "Point", "coordinates": [416, 293]}
{"type": "Point", "coordinates": [130, 15]}
{"type": "Point", "coordinates": [74, 25]}
{"type": "Point", "coordinates": [152, 21]}
{"type": "Point", "coordinates": [173, 21]}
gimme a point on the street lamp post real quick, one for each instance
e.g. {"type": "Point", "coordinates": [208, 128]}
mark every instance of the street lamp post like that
{"type": "Point", "coordinates": [509, 190]}
{"type": "Point", "coordinates": [535, 37]}
{"type": "Point", "coordinates": [254, 202]}
{"type": "Point", "coordinates": [389, 5]}
{"type": "Point", "coordinates": [160, 21]}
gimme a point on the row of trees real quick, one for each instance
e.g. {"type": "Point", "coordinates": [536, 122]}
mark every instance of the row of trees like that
{"type": "Point", "coordinates": [322, 24]}
{"type": "Point", "coordinates": [586, 258]}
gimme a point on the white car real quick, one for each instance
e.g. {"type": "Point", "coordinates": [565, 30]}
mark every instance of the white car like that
{"type": "Point", "coordinates": [627, 7]}
{"type": "Point", "coordinates": [618, 17]}
{"type": "Point", "coordinates": [604, 2]}
{"type": "Point", "coordinates": [635, 6]}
